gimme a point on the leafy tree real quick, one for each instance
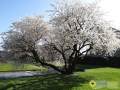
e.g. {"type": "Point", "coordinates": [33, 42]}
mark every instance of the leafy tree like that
{"type": "Point", "coordinates": [75, 29]}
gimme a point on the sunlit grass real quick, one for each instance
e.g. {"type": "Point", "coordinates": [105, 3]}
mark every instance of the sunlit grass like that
{"type": "Point", "coordinates": [10, 67]}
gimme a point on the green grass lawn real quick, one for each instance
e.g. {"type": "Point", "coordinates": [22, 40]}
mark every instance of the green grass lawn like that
{"type": "Point", "coordinates": [9, 67]}
{"type": "Point", "coordinates": [79, 81]}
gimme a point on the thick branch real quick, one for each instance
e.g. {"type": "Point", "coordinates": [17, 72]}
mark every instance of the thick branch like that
{"type": "Point", "coordinates": [70, 57]}
{"type": "Point", "coordinates": [63, 55]}
{"type": "Point", "coordinates": [44, 63]}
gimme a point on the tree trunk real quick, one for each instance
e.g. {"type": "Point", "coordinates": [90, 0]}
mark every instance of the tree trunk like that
{"type": "Point", "coordinates": [68, 69]}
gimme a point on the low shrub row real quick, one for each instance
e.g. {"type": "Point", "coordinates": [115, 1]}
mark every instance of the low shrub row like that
{"type": "Point", "coordinates": [100, 61]}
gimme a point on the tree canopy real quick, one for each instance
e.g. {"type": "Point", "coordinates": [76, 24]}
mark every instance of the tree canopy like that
{"type": "Point", "coordinates": [74, 30]}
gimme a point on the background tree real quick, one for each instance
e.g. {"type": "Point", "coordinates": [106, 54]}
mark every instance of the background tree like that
{"type": "Point", "coordinates": [75, 29]}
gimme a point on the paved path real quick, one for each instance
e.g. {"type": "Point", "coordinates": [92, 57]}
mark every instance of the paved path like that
{"type": "Point", "coordinates": [25, 73]}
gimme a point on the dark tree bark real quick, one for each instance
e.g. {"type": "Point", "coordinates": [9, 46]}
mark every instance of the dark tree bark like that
{"type": "Point", "coordinates": [69, 66]}
{"type": "Point", "coordinates": [36, 56]}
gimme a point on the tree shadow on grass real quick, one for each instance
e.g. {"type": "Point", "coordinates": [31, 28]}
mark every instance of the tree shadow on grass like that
{"type": "Point", "coordinates": [47, 82]}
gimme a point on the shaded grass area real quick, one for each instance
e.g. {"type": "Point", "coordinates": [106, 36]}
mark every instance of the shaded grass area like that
{"type": "Point", "coordinates": [78, 81]}
{"type": "Point", "coordinates": [10, 67]}
{"type": "Point", "coordinates": [46, 82]}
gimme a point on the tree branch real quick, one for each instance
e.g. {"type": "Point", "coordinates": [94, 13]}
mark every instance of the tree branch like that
{"type": "Point", "coordinates": [44, 63]}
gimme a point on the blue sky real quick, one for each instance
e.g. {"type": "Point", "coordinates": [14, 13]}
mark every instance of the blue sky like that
{"type": "Point", "coordinates": [15, 9]}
